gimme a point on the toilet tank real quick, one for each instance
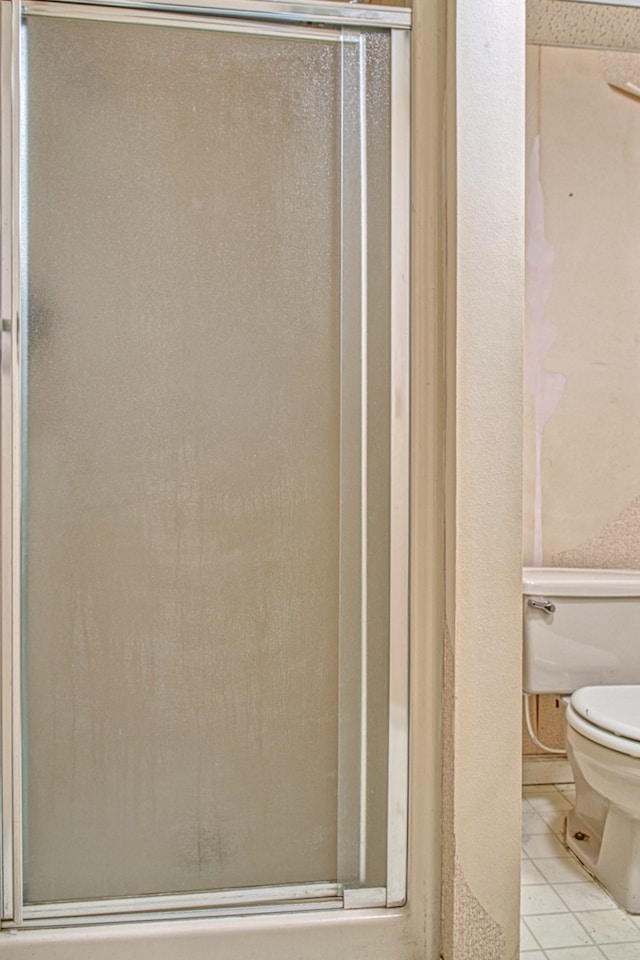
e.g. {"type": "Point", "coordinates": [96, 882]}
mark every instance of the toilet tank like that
{"type": "Point", "coordinates": [592, 635]}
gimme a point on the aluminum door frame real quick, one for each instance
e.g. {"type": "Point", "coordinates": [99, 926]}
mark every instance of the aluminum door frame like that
{"type": "Point", "coordinates": [279, 18]}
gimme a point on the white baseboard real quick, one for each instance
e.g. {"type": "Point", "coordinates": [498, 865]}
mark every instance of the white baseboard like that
{"type": "Point", "coordinates": [540, 770]}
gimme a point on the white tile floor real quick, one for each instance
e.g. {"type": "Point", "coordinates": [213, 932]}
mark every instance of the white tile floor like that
{"type": "Point", "coordinates": [566, 915]}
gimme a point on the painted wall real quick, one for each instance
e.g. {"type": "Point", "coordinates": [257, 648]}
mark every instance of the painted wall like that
{"type": "Point", "coordinates": [583, 300]}
{"type": "Point", "coordinates": [582, 406]}
{"type": "Point", "coordinates": [460, 333]}
{"type": "Point", "coordinates": [484, 437]}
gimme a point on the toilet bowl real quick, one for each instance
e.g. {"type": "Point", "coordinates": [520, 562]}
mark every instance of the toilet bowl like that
{"type": "Point", "coordinates": [585, 625]}
{"type": "Point", "coordinates": [604, 828]}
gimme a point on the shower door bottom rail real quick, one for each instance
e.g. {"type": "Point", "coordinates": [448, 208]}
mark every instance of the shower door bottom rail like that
{"type": "Point", "coordinates": [268, 899]}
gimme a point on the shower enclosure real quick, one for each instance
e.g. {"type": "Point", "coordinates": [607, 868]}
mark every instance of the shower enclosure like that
{"type": "Point", "coordinates": [205, 401]}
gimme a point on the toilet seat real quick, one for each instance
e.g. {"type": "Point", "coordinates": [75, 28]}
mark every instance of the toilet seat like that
{"type": "Point", "coordinates": [614, 708]}
{"type": "Point", "coordinates": [608, 715]}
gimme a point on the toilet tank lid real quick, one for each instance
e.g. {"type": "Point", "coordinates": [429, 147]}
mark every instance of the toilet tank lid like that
{"type": "Point", "coordinates": [573, 582]}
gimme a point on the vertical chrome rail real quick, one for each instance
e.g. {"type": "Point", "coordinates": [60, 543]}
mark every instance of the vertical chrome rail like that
{"type": "Point", "coordinates": [397, 809]}
{"type": "Point", "coordinates": [10, 71]}
{"type": "Point", "coordinates": [6, 427]}
{"type": "Point", "coordinates": [364, 462]}
{"type": "Point", "coordinates": [16, 446]}
{"type": "Point", "coordinates": [351, 477]}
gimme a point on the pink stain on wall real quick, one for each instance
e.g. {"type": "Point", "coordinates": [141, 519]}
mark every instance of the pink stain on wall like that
{"type": "Point", "coordinates": [546, 386]}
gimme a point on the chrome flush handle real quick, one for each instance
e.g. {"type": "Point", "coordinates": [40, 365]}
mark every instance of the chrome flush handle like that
{"type": "Point", "coordinates": [539, 603]}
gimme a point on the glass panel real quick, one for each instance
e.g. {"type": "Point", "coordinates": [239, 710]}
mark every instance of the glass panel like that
{"type": "Point", "coordinates": [183, 350]}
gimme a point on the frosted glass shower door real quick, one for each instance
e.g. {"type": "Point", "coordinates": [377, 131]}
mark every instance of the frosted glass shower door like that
{"type": "Point", "coordinates": [203, 482]}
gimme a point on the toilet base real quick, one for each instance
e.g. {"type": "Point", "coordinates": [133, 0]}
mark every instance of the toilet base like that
{"type": "Point", "coordinates": [613, 858]}
{"type": "Point", "coordinates": [602, 833]}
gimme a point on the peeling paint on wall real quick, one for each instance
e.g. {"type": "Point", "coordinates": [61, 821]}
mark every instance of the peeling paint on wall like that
{"type": "Point", "coordinates": [546, 386]}
{"type": "Point", "coordinates": [468, 931]}
{"type": "Point", "coordinates": [616, 547]}
{"type": "Point", "coordinates": [476, 935]}
{"type": "Point", "coordinates": [583, 476]}
{"type": "Point", "coordinates": [591, 482]}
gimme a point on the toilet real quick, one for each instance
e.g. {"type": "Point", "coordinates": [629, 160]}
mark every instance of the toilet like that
{"type": "Point", "coordinates": [581, 634]}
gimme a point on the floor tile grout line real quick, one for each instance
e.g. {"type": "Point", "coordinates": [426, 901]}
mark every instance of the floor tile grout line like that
{"type": "Point", "coordinates": [531, 933]}
{"type": "Point", "coordinates": [591, 943]}
{"type": "Point", "coordinates": [550, 813]}
{"type": "Point", "coordinates": [586, 931]}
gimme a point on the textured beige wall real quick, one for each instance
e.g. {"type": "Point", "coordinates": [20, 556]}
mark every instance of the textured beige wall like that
{"type": "Point", "coordinates": [589, 475]}
{"type": "Point", "coordinates": [587, 482]}
{"type": "Point", "coordinates": [583, 24]}
{"type": "Point", "coordinates": [547, 715]}
{"type": "Point", "coordinates": [482, 652]}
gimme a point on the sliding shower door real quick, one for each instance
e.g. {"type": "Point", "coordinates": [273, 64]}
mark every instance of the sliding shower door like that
{"type": "Point", "coordinates": [205, 404]}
